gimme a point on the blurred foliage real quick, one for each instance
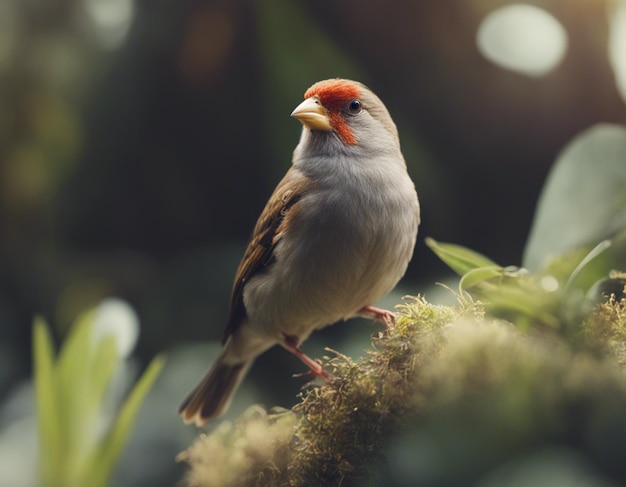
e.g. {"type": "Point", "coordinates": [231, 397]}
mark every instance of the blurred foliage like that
{"type": "Point", "coordinates": [139, 140]}
{"type": "Point", "coordinates": [77, 446]}
{"type": "Point", "coordinates": [584, 198]}
{"type": "Point", "coordinates": [509, 292]}
{"type": "Point", "coordinates": [566, 251]}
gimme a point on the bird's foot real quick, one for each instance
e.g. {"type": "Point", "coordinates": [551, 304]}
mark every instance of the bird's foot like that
{"type": "Point", "coordinates": [378, 314]}
{"type": "Point", "coordinates": [315, 368]}
{"type": "Point", "coordinates": [328, 378]}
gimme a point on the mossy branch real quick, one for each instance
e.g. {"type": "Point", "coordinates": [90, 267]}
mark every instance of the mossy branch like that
{"type": "Point", "coordinates": [440, 368]}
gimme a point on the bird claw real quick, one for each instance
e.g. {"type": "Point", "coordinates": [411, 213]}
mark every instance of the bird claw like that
{"type": "Point", "coordinates": [316, 369]}
{"type": "Point", "coordinates": [328, 378]}
{"type": "Point", "coordinates": [384, 316]}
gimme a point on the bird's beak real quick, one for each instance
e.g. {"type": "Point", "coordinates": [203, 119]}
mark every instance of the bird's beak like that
{"type": "Point", "coordinates": [313, 115]}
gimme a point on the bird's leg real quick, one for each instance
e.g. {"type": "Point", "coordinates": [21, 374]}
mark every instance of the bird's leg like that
{"type": "Point", "coordinates": [378, 314]}
{"type": "Point", "coordinates": [291, 344]}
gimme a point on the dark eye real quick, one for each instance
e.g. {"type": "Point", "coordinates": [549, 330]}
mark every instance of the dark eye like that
{"type": "Point", "coordinates": [354, 107]}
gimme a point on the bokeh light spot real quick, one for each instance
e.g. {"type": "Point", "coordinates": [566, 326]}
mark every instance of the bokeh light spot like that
{"type": "Point", "coordinates": [617, 44]}
{"type": "Point", "coordinates": [117, 318]}
{"type": "Point", "coordinates": [549, 284]}
{"type": "Point", "coordinates": [111, 19]}
{"type": "Point", "coordinates": [522, 38]}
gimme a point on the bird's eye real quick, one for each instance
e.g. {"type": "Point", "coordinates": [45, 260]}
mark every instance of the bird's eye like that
{"type": "Point", "coordinates": [354, 107]}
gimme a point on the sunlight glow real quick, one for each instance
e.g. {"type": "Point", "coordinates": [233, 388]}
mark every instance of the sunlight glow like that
{"type": "Point", "coordinates": [111, 19]}
{"type": "Point", "coordinates": [617, 43]}
{"type": "Point", "coordinates": [522, 38]}
{"type": "Point", "coordinates": [116, 317]}
{"type": "Point", "coordinates": [549, 283]}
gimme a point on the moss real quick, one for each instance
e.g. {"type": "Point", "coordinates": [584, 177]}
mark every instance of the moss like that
{"type": "Point", "coordinates": [475, 389]}
{"type": "Point", "coordinates": [605, 327]}
{"type": "Point", "coordinates": [254, 451]}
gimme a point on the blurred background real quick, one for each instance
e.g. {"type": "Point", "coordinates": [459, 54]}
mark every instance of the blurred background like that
{"type": "Point", "coordinates": [140, 139]}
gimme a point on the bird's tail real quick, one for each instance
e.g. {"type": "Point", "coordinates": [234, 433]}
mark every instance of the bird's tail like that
{"type": "Point", "coordinates": [211, 397]}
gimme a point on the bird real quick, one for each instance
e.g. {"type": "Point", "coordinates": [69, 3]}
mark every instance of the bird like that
{"type": "Point", "coordinates": [336, 234]}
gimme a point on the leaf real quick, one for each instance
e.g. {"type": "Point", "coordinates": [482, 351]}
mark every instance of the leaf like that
{"type": "Point", "coordinates": [73, 382]}
{"type": "Point", "coordinates": [522, 305]}
{"type": "Point", "coordinates": [595, 252]}
{"type": "Point", "coordinates": [103, 365]}
{"type": "Point", "coordinates": [460, 259]}
{"type": "Point", "coordinates": [111, 446]}
{"type": "Point", "coordinates": [70, 397]}
{"type": "Point", "coordinates": [616, 13]}
{"type": "Point", "coordinates": [50, 437]}
{"type": "Point", "coordinates": [479, 275]}
{"type": "Point", "coordinates": [584, 199]}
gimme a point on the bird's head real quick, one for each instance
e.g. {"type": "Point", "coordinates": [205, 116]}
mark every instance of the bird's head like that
{"type": "Point", "coordinates": [347, 109]}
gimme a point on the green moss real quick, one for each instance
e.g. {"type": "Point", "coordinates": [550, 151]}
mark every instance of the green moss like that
{"type": "Point", "coordinates": [254, 451]}
{"type": "Point", "coordinates": [477, 390]}
{"type": "Point", "coordinates": [605, 328]}
{"type": "Point", "coordinates": [340, 428]}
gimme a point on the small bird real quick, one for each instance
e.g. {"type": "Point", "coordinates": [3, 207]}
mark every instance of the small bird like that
{"type": "Point", "coordinates": [336, 234]}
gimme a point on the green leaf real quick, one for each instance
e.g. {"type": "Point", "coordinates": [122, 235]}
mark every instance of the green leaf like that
{"type": "Point", "coordinates": [111, 446]}
{"type": "Point", "coordinates": [50, 438]}
{"type": "Point", "coordinates": [70, 394]}
{"type": "Point", "coordinates": [73, 383]}
{"type": "Point", "coordinates": [584, 199]}
{"type": "Point", "coordinates": [479, 275]}
{"type": "Point", "coordinates": [460, 259]}
{"type": "Point", "coordinates": [522, 305]}
{"type": "Point", "coordinates": [102, 367]}
{"type": "Point", "coordinates": [595, 252]}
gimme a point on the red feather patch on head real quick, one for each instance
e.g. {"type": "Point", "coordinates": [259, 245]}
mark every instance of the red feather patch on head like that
{"type": "Point", "coordinates": [334, 94]}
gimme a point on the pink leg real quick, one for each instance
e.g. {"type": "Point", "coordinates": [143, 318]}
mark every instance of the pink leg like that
{"type": "Point", "coordinates": [291, 343]}
{"type": "Point", "coordinates": [377, 314]}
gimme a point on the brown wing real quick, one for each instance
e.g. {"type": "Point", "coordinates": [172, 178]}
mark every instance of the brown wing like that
{"type": "Point", "coordinates": [267, 233]}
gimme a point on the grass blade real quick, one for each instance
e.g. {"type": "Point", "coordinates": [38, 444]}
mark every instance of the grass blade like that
{"type": "Point", "coordinates": [111, 446]}
{"type": "Point", "coordinates": [51, 445]}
